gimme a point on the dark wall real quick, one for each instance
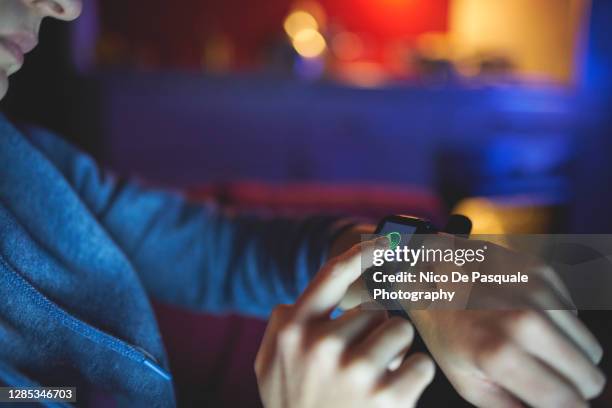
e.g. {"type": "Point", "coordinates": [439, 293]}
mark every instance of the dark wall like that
{"type": "Point", "coordinates": [593, 175]}
{"type": "Point", "coordinates": [598, 72]}
{"type": "Point", "coordinates": [48, 93]}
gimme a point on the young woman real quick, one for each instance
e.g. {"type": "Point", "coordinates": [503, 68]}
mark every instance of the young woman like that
{"type": "Point", "coordinates": [81, 252]}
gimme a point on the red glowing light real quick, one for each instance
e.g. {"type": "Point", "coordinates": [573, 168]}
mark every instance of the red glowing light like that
{"type": "Point", "coordinates": [389, 19]}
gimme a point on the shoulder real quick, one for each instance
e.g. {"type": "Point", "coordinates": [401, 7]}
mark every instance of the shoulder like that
{"type": "Point", "coordinates": [47, 142]}
{"type": "Point", "coordinates": [75, 165]}
{"type": "Point", "coordinates": [52, 145]}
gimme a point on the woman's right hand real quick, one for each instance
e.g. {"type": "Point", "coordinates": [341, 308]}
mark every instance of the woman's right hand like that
{"type": "Point", "coordinates": [308, 360]}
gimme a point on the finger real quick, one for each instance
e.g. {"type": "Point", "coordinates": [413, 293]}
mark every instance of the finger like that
{"type": "Point", "coordinates": [397, 361]}
{"type": "Point", "coordinates": [354, 324]}
{"type": "Point", "coordinates": [486, 394]}
{"type": "Point", "coordinates": [578, 332]}
{"type": "Point", "coordinates": [381, 347]}
{"type": "Point", "coordinates": [267, 347]}
{"type": "Point", "coordinates": [530, 380]}
{"type": "Point", "coordinates": [357, 294]}
{"type": "Point", "coordinates": [277, 319]}
{"type": "Point", "coordinates": [411, 378]}
{"type": "Point", "coordinates": [541, 338]}
{"type": "Point", "coordinates": [562, 314]}
{"type": "Point", "coordinates": [332, 282]}
{"type": "Point", "coordinates": [548, 274]}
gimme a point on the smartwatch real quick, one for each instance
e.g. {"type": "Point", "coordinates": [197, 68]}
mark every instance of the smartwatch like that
{"type": "Point", "coordinates": [405, 226]}
{"type": "Point", "coordinates": [408, 231]}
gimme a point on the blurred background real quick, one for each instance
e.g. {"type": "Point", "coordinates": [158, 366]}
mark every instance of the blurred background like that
{"type": "Point", "coordinates": [486, 107]}
{"type": "Point", "coordinates": [496, 109]}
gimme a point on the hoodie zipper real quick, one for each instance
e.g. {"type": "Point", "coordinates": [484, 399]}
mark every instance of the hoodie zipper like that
{"type": "Point", "coordinates": [121, 347]}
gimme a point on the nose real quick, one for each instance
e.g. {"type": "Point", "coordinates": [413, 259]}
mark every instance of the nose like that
{"type": "Point", "coordinates": [61, 9]}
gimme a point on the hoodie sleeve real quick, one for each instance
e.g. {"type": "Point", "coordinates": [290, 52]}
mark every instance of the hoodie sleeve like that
{"type": "Point", "coordinates": [198, 255]}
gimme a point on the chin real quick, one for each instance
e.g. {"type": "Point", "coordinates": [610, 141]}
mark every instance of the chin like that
{"type": "Point", "coordinates": [3, 84]}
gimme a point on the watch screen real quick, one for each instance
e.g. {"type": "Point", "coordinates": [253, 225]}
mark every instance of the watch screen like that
{"type": "Point", "coordinates": [404, 231]}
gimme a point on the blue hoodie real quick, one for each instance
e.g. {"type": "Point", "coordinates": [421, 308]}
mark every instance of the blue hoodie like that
{"type": "Point", "coordinates": [81, 253]}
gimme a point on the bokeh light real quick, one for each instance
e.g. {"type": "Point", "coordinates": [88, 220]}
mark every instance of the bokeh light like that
{"type": "Point", "coordinates": [309, 43]}
{"type": "Point", "coordinates": [347, 46]}
{"type": "Point", "coordinates": [298, 21]}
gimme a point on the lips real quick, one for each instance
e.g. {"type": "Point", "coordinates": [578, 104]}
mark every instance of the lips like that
{"type": "Point", "coordinates": [25, 40]}
{"type": "Point", "coordinates": [12, 49]}
{"type": "Point", "coordinates": [16, 45]}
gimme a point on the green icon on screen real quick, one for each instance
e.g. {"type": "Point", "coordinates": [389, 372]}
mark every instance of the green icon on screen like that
{"type": "Point", "coordinates": [394, 239]}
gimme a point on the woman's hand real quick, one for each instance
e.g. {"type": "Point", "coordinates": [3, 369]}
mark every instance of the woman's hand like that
{"type": "Point", "coordinates": [308, 360]}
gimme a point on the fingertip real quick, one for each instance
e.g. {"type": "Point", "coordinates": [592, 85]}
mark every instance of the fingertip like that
{"type": "Point", "coordinates": [404, 326]}
{"type": "Point", "coordinates": [598, 385]}
{"type": "Point", "coordinates": [422, 366]}
{"type": "Point", "coordinates": [597, 353]}
{"type": "Point", "coordinates": [413, 376]}
{"type": "Point", "coordinates": [382, 242]}
{"type": "Point", "coordinates": [396, 363]}
{"type": "Point", "coordinates": [426, 365]}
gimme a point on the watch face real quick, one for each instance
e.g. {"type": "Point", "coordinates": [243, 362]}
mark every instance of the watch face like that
{"type": "Point", "coordinates": [398, 234]}
{"type": "Point", "coordinates": [401, 231]}
{"type": "Point", "coordinates": [403, 225]}
{"type": "Point", "coordinates": [395, 228]}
